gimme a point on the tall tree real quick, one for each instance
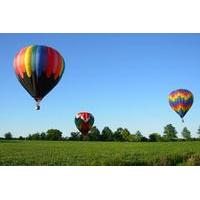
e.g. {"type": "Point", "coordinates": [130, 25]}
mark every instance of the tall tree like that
{"type": "Point", "coordinates": [75, 136]}
{"type": "Point", "coordinates": [117, 135]}
{"type": "Point", "coordinates": [21, 137]}
{"type": "Point", "coordinates": [35, 136]}
{"type": "Point", "coordinates": [107, 134]}
{"type": "Point", "coordinates": [43, 136]}
{"type": "Point", "coordinates": [94, 134]}
{"type": "Point", "coordinates": [8, 136]}
{"type": "Point", "coordinates": [170, 132]}
{"type": "Point", "coordinates": [54, 134]}
{"type": "Point", "coordinates": [126, 135]}
{"type": "Point", "coordinates": [198, 131]}
{"type": "Point", "coordinates": [155, 137]}
{"type": "Point", "coordinates": [144, 139]}
{"type": "Point", "coordinates": [138, 136]}
{"type": "Point", "coordinates": [186, 133]}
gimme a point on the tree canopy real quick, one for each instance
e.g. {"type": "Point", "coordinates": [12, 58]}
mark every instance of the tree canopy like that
{"type": "Point", "coordinates": [120, 135]}
{"type": "Point", "coordinates": [170, 132]}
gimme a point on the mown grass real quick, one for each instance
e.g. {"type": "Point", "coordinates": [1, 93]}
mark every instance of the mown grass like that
{"type": "Point", "coordinates": [64, 153]}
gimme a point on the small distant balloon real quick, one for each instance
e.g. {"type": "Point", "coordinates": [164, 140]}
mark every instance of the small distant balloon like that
{"type": "Point", "coordinates": [181, 101]}
{"type": "Point", "coordinates": [84, 122]}
{"type": "Point", "coordinates": [38, 69]}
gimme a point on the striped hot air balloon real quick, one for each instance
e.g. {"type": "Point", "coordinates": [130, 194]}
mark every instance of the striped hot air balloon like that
{"type": "Point", "coordinates": [84, 122]}
{"type": "Point", "coordinates": [38, 69]}
{"type": "Point", "coordinates": [181, 101]}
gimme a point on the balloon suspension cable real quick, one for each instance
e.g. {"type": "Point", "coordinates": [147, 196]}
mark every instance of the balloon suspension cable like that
{"type": "Point", "coordinates": [37, 104]}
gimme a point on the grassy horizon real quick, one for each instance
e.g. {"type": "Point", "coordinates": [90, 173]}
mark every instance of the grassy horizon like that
{"type": "Point", "coordinates": [71, 153]}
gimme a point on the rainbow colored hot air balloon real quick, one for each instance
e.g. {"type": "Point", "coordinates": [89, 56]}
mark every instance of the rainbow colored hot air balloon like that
{"type": "Point", "coordinates": [181, 101]}
{"type": "Point", "coordinates": [38, 69]}
{"type": "Point", "coordinates": [84, 122]}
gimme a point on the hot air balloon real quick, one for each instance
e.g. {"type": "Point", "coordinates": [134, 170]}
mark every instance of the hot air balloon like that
{"type": "Point", "coordinates": [38, 69]}
{"type": "Point", "coordinates": [181, 101]}
{"type": "Point", "coordinates": [84, 122]}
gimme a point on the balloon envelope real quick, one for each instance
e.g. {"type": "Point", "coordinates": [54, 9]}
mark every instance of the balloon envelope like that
{"type": "Point", "coordinates": [38, 69]}
{"type": "Point", "coordinates": [84, 122]}
{"type": "Point", "coordinates": [181, 101]}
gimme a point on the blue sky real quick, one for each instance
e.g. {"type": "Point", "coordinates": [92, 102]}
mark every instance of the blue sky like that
{"type": "Point", "coordinates": [123, 79]}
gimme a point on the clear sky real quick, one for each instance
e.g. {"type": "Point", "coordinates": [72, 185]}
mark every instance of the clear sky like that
{"type": "Point", "coordinates": [122, 79]}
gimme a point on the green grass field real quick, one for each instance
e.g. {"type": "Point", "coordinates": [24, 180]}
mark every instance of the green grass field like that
{"type": "Point", "coordinates": [98, 153]}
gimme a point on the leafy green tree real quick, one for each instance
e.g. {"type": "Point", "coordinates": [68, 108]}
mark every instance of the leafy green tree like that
{"type": "Point", "coordinates": [21, 137]}
{"type": "Point", "coordinates": [144, 139]}
{"type": "Point", "coordinates": [125, 135]}
{"type": "Point", "coordinates": [198, 131]}
{"type": "Point", "coordinates": [54, 134]}
{"type": "Point", "coordinates": [29, 137]}
{"type": "Point", "coordinates": [117, 135]}
{"type": "Point", "coordinates": [43, 136]}
{"type": "Point", "coordinates": [186, 133]}
{"type": "Point", "coordinates": [8, 136]}
{"type": "Point", "coordinates": [35, 136]}
{"type": "Point", "coordinates": [155, 137]}
{"type": "Point", "coordinates": [94, 134]}
{"type": "Point", "coordinates": [138, 136]}
{"type": "Point", "coordinates": [170, 133]}
{"type": "Point", "coordinates": [132, 138]}
{"type": "Point", "coordinates": [107, 134]}
{"type": "Point", "coordinates": [75, 136]}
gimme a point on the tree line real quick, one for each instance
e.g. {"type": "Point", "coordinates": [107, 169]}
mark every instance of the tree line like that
{"type": "Point", "coordinates": [121, 134]}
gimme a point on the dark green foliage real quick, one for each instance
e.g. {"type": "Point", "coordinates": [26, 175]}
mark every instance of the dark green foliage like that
{"type": "Point", "coordinates": [8, 136]}
{"type": "Point", "coordinates": [137, 137]}
{"type": "Point", "coordinates": [170, 133]}
{"type": "Point", "coordinates": [198, 131]}
{"type": "Point", "coordinates": [75, 136]}
{"type": "Point", "coordinates": [94, 134]}
{"type": "Point", "coordinates": [155, 137]}
{"type": "Point", "coordinates": [144, 139]}
{"type": "Point", "coordinates": [54, 134]}
{"type": "Point", "coordinates": [106, 134]}
{"type": "Point", "coordinates": [186, 133]}
{"type": "Point", "coordinates": [121, 134]}
{"type": "Point", "coordinates": [43, 136]}
{"type": "Point", "coordinates": [117, 135]}
{"type": "Point", "coordinates": [126, 135]}
{"type": "Point", "coordinates": [21, 138]}
{"type": "Point", "coordinates": [35, 136]}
